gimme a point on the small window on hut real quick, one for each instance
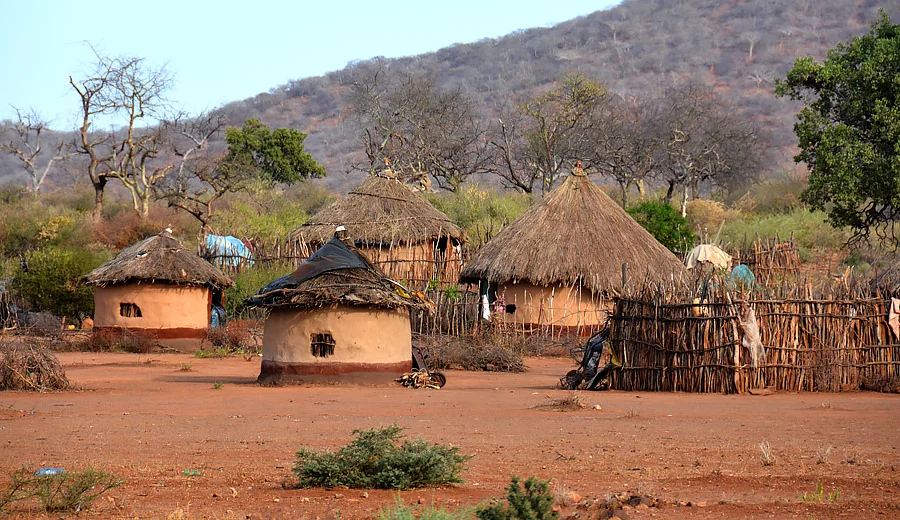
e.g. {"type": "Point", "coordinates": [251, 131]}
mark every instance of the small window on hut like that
{"type": "Point", "coordinates": [129, 310]}
{"type": "Point", "coordinates": [322, 345]}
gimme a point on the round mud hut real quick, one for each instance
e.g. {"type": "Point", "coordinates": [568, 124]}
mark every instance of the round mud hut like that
{"type": "Point", "coordinates": [337, 318]}
{"type": "Point", "coordinates": [555, 266]}
{"type": "Point", "coordinates": [395, 227]}
{"type": "Point", "coordinates": [157, 290]}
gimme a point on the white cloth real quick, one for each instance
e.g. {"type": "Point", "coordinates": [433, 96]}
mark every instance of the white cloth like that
{"type": "Point", "coordinates": [708, 253]}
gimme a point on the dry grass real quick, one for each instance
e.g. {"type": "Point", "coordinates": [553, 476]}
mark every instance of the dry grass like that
{"type": "Point", "coordinates": [569, 403]}
{"type": "Point", "coordinates": [29, 364]}
{"type": "Point", "coordinates": [767, 453]}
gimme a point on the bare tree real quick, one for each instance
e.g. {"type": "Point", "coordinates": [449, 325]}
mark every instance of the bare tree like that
{"type": "Point", "coordinates": [626, 147]}
{"type": "Point", "coordinates": [407, 122]}
{"type": "Point", "coordinates": [559, 125]}
{"type": "Point", "coordinates": [704, 141]}
{"type": "Point", "coordinates": [27, 147]}
{"type": "Point", "coordinates": [201, 178]}
{"type": "Point", "coordinates": [508, 158]}
{"type": "Point", "coordinates": [131, 94]}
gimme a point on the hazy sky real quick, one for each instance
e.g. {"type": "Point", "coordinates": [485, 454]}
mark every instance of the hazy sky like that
{"type": "Point", "coordinates": [225, 51]}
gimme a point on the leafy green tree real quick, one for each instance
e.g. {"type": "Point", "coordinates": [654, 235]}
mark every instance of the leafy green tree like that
{"type": "Point", "coordinates": [277, 154]}
{"type": "Point", "coordinates": [849, 130]}
{"type": "Point", "coordinates": [50, 280]}
{"type": "Point", "coordinates": [666, 224]}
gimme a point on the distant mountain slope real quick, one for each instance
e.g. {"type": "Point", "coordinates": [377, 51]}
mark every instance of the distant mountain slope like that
{"type": "Point", "coordinates": [635, 49]}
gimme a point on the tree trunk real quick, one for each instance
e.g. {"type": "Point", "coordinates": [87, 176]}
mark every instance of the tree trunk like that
{"type": "Point", "coordinates": [669, 192]}
{"type": "Point", "coordinates": [99, 186]}
{"type": "Point", "coordinates": [684, 199]}
{"type": "Point", "coordinates": [642, 190]}
{"type": "Point", "coordinates": [624, 186]}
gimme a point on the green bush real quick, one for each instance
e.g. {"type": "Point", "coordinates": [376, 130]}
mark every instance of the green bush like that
{"type": "Point", "coordinates": [665, 224]}
{"type": "Point", "coordinates": [374, 460]}
{"type": "Point", "coordinates": [481, 213]}
{"type": "Point", "coordinates": [401, 511]}
{"type": "Point", "coordinates": [534, 502]}
{"type": "Point", "coordinates": [248, 282]}
{"type": "Point", "coordinates": [271, 218]}
{"type": "Point", "coordinates": [52, 281]}
{"type": "Point", "coordinates": [61, 492]}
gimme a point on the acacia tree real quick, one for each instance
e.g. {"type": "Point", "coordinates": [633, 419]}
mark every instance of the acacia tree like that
{"type": "Point", "coordinates": [27, 147]}
{"type": "Point", "coordinates": [560, 125]}
{"type": "Point", "coordinates": [419, 130]}
{"type": "Point", "coordinates": [849, 130]}
{"type": "Point", "coordinates": [508, 152]}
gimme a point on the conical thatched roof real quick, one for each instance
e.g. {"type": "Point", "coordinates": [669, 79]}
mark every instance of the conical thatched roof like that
{"type": "Point", "coordinates": [381, 210]}
{"type": "Point", "coordinates": [159, 258]}
{"type": "Point", "coordinates": [575, 234]}
{"type": "Point", "coordinates": [335, 274]}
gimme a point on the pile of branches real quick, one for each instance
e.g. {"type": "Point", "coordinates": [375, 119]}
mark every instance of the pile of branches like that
{"type": "Point", "coordinates": [418, 379]}
{"type": "Point", "coordinates": [29, 364]}
{"type": "Point", "coordinates": [886, 384]}
{"type": "Point", "coordinates": [487, 349]}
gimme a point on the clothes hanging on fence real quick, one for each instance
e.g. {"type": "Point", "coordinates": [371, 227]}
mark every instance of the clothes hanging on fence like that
{"type": "Point", "coordinates": [751, 340]}
{"type": "Point", "coordinates": [894, 317]}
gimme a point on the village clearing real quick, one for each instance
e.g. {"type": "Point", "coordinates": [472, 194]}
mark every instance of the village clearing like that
{"type": "Point", "coordinates": [198, 438]}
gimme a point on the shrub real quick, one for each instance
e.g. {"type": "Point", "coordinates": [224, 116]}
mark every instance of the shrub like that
{"type": "Point", "coordinates": [59, 492]}
{"type": "Point", "coordinates": [248, 282]}
{"type": "Point", "coordinates": [51, 281]}
{"type": "Point", "coordinates": [230, 338]}
{"type": "Point", "coordinates": [665, 224]}
{"type": "Point", "coordinates": [374, 460]}
{"type": "Point", "coordinates": [269, 218]}
{"type": "Point", "coordinates": [481, 213]}
{"type": "Point", "coordinates": [401, 511]}
{"type": "Point", "coordinates": [534, 502]}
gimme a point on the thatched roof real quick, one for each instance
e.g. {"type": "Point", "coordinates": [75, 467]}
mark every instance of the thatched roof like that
{"type": "Point", "coordinates": [159, 258]}
{"type": "Point", "coordinates": [575, 235]}
{"type": "Point", "coordinates": [381, 210]}
{"type": "Point", "coordinates": [335, 274]}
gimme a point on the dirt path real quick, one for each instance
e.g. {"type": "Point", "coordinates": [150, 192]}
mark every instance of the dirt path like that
{"type": "Point", "coordinates": [149, 418]}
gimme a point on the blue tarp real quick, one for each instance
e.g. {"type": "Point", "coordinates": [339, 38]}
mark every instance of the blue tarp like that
{"type": "Point", "coordinates": [228, 250]}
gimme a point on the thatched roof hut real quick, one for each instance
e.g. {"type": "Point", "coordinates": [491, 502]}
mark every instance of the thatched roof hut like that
{"type": "Point", "coordinates": [159, 258]}
{"type": "Point", "coordinates": [157, 290]}
{"type": "Point", "coordinates": [396, 227]}
{"type": "Point", "coordinates": [336, 274]}
{"type": "Point", "coordinates": [336, 318]}
{"type": "Point", "coordinates": [576, 235]}
{"type": "Point", "coordinates": [381, 210]}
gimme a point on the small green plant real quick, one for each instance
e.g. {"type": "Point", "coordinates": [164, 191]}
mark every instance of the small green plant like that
{"type": "Point", "coordinates": [452, 292]}
{"type": "Point", "coordinates": [819, 494]}
{"type": "Point", "coordinates": [215, 352]}
{"type": "Point", "coordinates": [375, 460]}
{"type": "Point", "coordinates": [59, 492]}
{"type": "Point", "coordinates": [401, 511]}
{"type": "Point", "coordinates": [218, 385]}
{"type": "Point", "coordinates": [533, 501]}
{"type": "Point", "coordinates": [186, 367]}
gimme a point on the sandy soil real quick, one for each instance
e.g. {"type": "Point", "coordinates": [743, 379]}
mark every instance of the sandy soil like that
{"type": "Point", "coordinates": [149, 418]}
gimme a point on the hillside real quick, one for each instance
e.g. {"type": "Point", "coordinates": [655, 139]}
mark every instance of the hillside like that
{"type": "Point", "coordinates": [635, 49]}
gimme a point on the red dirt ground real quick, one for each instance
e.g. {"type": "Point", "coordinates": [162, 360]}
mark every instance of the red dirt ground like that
{"type": "Point", "coordinates": [147, 419]}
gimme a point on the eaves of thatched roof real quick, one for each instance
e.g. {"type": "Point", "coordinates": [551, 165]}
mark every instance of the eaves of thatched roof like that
{"type": "Point", "coordinates": [381, 210]}
{"type": "Point", "coordinates": [575, 235]}
{"type": "Point", "coordinates": [159, 258]}
{"type": "Point", "coordinates": [335, 274]}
